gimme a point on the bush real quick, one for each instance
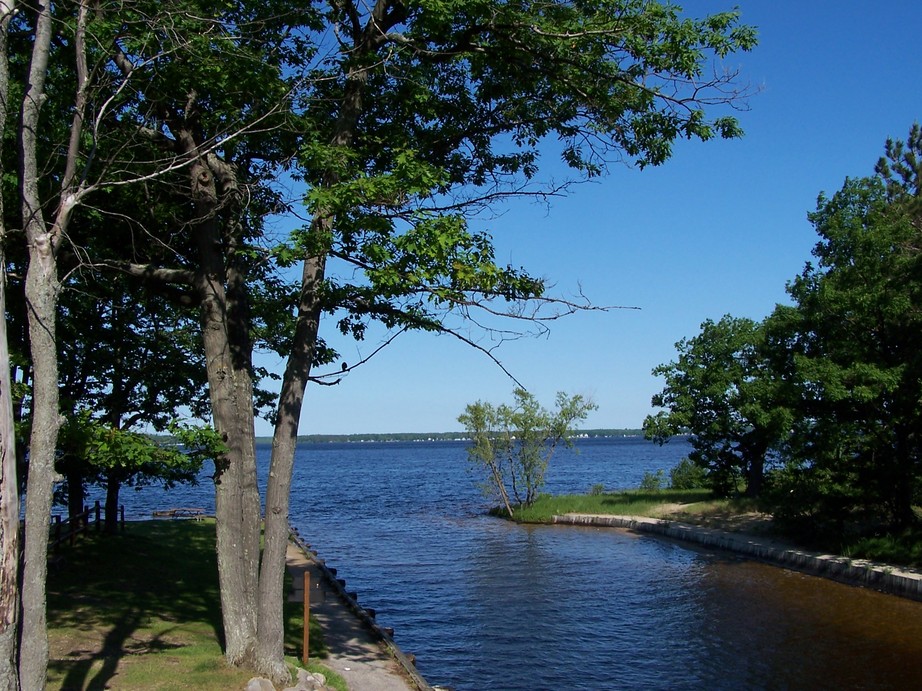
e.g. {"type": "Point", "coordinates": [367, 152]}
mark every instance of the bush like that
{"type": "Point", "coordinates": [653, 482]}
{"type": "Point", "coordinates": [596, 489]}
{"type": "Point", "coordinates": [687, 475]}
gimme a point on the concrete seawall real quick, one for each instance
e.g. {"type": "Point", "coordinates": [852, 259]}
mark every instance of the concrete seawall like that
{"type": "Point", "coordinates": [885, 578]}
{"type": "Point", "coordinates": [363, 618]}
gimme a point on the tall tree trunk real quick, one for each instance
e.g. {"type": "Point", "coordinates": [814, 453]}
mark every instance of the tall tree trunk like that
{"type": "Point", "coordinates": [225, 331]}
{"type": "Point", "coordinates": [41, 298]}
{"type": "Point", "coordinates": [9, 483]}
{"type": "Point", "coordinates": [9, 508]}
{"type": "Point", "coordinates": [41, 303]}
{"type": "Point", "coordinates": [270, 656]}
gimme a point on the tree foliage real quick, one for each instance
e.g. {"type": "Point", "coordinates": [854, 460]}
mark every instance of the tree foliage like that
{"type": "Point", "coordinates": [167, 125]}
{"type": "Point", "coordinates": [832, 383]}
{"type": "Point", "coordinates": [722, 393]}
{"type": "Point", "coordinates": [513, 444]}
{"type": "Point", "coordinates": [853, 336]}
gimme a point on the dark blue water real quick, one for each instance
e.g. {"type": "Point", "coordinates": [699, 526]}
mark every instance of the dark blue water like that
{"type": "Point", "coordinates": [485, 604]}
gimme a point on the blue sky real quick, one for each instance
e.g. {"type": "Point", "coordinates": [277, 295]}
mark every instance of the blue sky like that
{"type": "Point", "coordinates": [719, 229]}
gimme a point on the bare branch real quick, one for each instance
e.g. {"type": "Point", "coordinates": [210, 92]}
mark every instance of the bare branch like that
{"type": "Point", "coordinates": [318, 378]}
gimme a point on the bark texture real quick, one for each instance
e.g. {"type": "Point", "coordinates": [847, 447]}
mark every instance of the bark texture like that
{"type": "Point", "coordinates": [270, 657]}
{"type": "Point", "coordinates": [41, 302]}
{"type": "Point", "coordinates": [9, 485]}
{"type": "Point", "coordinates": [225, 332]}
{"type": "Point", "coordinates": [9, 511]}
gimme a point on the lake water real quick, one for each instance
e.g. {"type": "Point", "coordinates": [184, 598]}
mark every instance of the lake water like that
{"type": "Point", "coordinates": [486, 604]}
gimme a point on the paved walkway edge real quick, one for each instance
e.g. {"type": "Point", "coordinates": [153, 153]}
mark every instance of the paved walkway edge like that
{"type": "Point", "coordinates": [366, 618]}
{"type": "Point", "coordinates": [883, 577]}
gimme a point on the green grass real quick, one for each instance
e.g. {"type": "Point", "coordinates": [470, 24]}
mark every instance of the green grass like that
{"type": "Point", "coordinates": [737, 514]}
{"type": "Point", "coordinates": [631, 502]}
{"type": "Point", "coordinates": [141, 610]}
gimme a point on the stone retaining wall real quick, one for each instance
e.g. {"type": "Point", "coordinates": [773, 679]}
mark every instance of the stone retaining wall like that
{"type": "Point", "coordinates": [885, 578]}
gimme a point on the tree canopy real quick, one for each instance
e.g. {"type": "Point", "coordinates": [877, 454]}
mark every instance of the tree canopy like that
{"type": "Point", "coordinates": [156, 141]}
{"type": "Point", "coordinates": [513, 444]}
{"type": "Point", "coordinates": [831, 384]}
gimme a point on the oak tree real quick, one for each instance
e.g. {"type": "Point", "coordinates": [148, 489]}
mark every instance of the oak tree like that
{"type": "Point", "coordinates": [723, 393]}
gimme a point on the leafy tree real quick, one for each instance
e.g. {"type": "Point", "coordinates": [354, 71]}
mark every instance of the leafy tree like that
{"type": "Point", "coordinates": [722, 392]}
{"type": "Point", "coordinates": [403, 119]}
{"type": "Point", "coordinates": [128, 357]}
{"type": "Point", "coordinates": [514, 444]}
{"type": "Point", "coordinates": [852, 344]}
{"type": "Point", "coordinates": [119, 457]}
{"type": "Point", "coordinates": [438, 110]}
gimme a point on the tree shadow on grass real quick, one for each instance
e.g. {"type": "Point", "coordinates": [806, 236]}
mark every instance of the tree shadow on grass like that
{"type": "Point", "coordinates": [118, 643]}
{"type": "Point", "coordinates": [131, 592]}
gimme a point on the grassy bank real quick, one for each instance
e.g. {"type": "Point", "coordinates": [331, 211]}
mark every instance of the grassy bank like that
{"type": "Point", "coordinates": [632, 502]}
{"type": "Point", "coordinates": [141, 610]}
{"type": "Point", "coordinates": [743, 515]}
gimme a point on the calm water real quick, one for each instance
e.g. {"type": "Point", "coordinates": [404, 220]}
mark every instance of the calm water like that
{"type": "Point", "coordinates": [485, 604]}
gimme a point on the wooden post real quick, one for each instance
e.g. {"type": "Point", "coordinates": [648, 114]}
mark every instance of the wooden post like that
{"type": "Point", "coordinates": [97, 514]}
{"type": "Point", "coordinates": [307, 613]}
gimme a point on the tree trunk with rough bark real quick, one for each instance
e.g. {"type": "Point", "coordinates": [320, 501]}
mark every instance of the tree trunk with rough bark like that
{"type": "Point", "coordinates": [270, 655]}
{"type": "Point", "coordinates": [9, 483]}
{"type": "Point", "coordinates": [41, 292]}
{"type": "Point", "coordinates": [225, 332]}
{"type": "Point", "coordinates": [41, 297]}
{"type": "Point", "coordinates": [9, 510]}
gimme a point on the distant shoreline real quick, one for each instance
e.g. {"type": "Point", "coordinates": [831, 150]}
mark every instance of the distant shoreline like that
{"type": "Point", "coordinates": [437, 436]}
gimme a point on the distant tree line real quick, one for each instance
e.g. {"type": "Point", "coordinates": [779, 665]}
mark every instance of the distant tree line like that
{"type": "Point", "coordinates": [817, 409]}
{"type": "Point", "coordinates": [442, 436]}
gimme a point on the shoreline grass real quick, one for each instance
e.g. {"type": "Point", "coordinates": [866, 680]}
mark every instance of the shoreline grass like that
{"type": "Point", "coordinates": [700, 507]}
{"type": "Point", "coordinates": [141, 610]}
{"type": "Point", "coordinates": [628, 502]}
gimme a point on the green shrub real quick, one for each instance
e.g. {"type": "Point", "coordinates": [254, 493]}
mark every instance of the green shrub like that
{"type": "Point", "coordinates": [653, 482]}
{"type": "Point", "coordinates": [597, 489]}
{"type": "Point", "coordinates": [687, 475]}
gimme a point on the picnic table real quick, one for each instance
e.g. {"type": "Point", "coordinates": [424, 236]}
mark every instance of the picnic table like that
{"type": "Point", "coordinates": [181, 512]}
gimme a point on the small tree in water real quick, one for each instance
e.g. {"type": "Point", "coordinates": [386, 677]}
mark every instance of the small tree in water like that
{"type": "Point", "coordinates": [514, 444]}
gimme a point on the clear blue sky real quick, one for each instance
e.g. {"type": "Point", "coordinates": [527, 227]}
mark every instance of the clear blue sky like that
{"type": "Point", "coordinates": [719, 229]}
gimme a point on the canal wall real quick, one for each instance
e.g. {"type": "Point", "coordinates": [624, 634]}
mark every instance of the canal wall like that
{"type": "Point", "coordinates": [364, 615]}
{"type": "Point", "coordinates": [883, 577]}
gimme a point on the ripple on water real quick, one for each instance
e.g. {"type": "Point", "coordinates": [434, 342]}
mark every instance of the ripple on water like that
{"type": "Point", "coordinates": [487, 604]}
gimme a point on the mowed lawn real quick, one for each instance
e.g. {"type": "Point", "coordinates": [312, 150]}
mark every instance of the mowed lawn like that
{"type": "Point", "coordinates": [141, 610]}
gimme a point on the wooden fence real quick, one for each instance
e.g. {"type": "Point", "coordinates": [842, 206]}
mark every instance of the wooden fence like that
{"type": "Point", "coordinates": [69, 528]}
